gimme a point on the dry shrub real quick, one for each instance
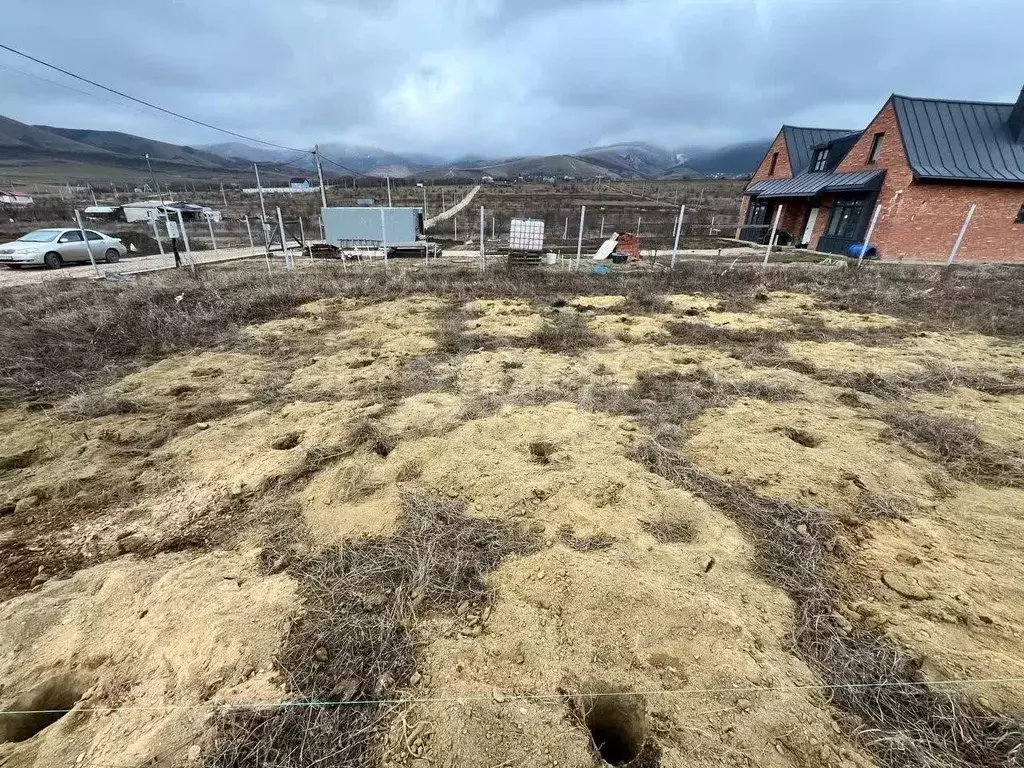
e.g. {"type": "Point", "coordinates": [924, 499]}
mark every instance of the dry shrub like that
{"type": "Point", "coordinates": [875, 505]}
{"type": "Point", "coordinates": [94, 405]}
{"type": "Point", "coordinates": [567, 535]}
{"type": "Point", "coordinates": [670, 529]}
{"type": "Point", "coordinates": [356, 479]}
{"type": "Point", "coordinates": [879, 688]}
{"type": "Point", "coordinates": [566, 334]}
{"type": "Point", "coordinates": [957, 445]}
{"type": "Point", "coordinates": [409, 470]}
{"type": "Point", "coordinates": [353, 647]}
{"type": "Point", "coordinates": [660, 398]}
{"type": "Point", "coordinates": [702, 334]}
{"type": "Point", "coordinates": [368, 434]}
{"type": "Point", "coordinates": [210, 409]}
{"type": "Point", "coordinates": [644, 300]}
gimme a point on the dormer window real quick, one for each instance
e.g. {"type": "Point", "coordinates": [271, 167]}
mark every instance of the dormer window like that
{"type": "Point", "coordinates": [820, 160]}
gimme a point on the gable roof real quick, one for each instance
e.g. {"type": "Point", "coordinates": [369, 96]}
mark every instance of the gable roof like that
{"type": "Point", "coordinates": [960, 140]}
{"type": "Point", "coordinates": [800, 143]}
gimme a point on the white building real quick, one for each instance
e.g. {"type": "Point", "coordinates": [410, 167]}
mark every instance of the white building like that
{"type": "Point", "coordinates": [15, 198]}
{"type": "Point", "coordinates": [298, 184]}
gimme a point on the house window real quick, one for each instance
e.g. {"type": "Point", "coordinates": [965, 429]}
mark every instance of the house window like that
{"type": "Point", "coordinates": [758, 213]}
{"type": "Point", "coordinates": [820, 158]}
{"type": "Point", "coordinates": [876, 148]}
{"type": "Point", "coordinates": [1020, 215]}
{"type": "Point", "coordinates": [775, 159]}
{"type": "Point", "coordinates": [845, 219]}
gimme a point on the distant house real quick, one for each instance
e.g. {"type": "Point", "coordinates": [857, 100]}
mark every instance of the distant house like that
{"type": "Point", "coordinates": [923, 162]}
{"type": "Point", "coordinates": [151, 210]}
{"type": "Point", "coordinates": [104, 212]}
{"type": "Point", "coordinates": [18, 199]}
{"type": "Point", "coordinates": [298, 184]}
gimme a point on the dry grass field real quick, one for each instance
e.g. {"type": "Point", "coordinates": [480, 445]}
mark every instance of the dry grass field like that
{"type": "Point", "coordinates": [443, 518]}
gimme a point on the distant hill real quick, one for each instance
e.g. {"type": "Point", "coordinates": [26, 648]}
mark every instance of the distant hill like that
{"type": "Point", "coordinates": [49, 149]}
{"type": "Point", "coordinates": [42, 146]}
{"type": "Point", "coordinates": [557, 166]}
{"type": "Point", "coordinates": [732, 160]}
{"type": "Point", "coordinates": [631, 160]}
{"type": "Point", "coordinates": [371, 161]}
{"type": "Point", "coordinates": [136, 146]}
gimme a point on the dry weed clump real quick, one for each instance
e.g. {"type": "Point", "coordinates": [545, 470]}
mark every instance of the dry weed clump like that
{"type": "Point", "coordinates": [368, 434]}
{"type": "Point", "coordinates": [353, 651]}
{"type": "Point", "coordinates": [567, 535]}
{"type": "Point", "coordinates": [670, 400]}
{"type": "Point", "coordinates": [957, 445]}
{"type": "Point", "coordinates": [565, 333]}
{"type": "Point", "coordinates": [876, 686]}
{"type": "Point", "coordinates": [670, 529]}
{"type": "Point", "coordinates": [95, 405]}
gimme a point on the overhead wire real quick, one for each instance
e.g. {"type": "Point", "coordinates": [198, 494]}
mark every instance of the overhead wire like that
{"type": "Point", "coordinates": [149, 104]}
{"type": "Point", "coordinates": [299, 703]}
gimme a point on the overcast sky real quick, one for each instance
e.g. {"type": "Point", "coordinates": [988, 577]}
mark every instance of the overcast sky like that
{"type": "Point", "coordinates": [501, 77]}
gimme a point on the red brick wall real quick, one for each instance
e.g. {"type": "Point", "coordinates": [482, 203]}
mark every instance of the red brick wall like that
{"type": "Point", "coordinates": [921, 220]}
{"type": "Point", "coordinates": [782, 170]}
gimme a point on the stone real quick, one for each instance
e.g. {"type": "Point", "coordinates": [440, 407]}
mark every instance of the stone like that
{"type": "Point", "coordinates": [203, 425]}
{"type": "Point", "coordinates": [415, 679]}
{"type": "Point", "coordinates": [801, 529]}
{"type": "Point", "coordinates": [321, 654]}
{"type": "Point", "coordinates": [40, 578]}
{"type": "Point", "coordinates": [237, 489]}
{"type": "Point", "coordinates": [25, 504]}
{"type": "Point", "coordinates": [743, 704]}
{"type": "Point", "coordinates": [193, 753]}
{"type": "Point", "coordinates": [498, 696]}
{"type": "Point", "coordinates": [902, 585]}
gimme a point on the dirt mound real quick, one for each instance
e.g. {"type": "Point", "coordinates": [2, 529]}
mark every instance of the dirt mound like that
{"type": "Point", "coordinates": [162, 641]}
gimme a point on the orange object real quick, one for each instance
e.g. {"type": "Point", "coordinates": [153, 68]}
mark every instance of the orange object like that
{"type": "Point", "coordinates": [629, 244]}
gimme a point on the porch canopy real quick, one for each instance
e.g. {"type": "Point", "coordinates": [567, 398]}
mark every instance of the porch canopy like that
{"type": "Point", "coordinates": [815, 184]}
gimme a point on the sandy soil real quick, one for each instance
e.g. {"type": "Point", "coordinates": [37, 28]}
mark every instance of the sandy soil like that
{"type": "Point", "coordinates": [129, 615]}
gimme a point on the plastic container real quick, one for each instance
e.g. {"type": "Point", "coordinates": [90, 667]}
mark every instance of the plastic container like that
{"type": "Point", "coordinates": [854, 251]}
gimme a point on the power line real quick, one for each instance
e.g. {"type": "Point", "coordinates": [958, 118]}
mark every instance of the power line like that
{"type": "Point", "coordinates": [346, 168]}
{"type": "Point", "coordinates": [145, 103]}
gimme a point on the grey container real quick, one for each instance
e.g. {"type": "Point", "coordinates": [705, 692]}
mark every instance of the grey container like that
{"type": "Point", "coordinates": [401, 226]}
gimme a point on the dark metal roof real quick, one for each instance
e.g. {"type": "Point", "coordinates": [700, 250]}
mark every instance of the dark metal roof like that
{"type": "Point", "coordinates": [813, 184]}
{"type": "Point", "coordinates": [960, 140]}
{"type": "Point", "coordinates": [800, 143]}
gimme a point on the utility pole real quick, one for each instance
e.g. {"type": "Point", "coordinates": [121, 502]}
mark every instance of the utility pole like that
{"type": "Point", "coordinates": [320, 175]}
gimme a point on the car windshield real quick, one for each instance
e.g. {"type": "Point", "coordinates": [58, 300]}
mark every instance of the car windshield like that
{"type": "Point", "coordinates": [40, 236]}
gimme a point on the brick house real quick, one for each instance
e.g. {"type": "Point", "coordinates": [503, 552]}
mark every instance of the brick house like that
{"type": "Point", "coordinates": [923, 162]}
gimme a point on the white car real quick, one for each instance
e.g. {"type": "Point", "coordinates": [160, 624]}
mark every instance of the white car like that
{"type": "Point", "coordinates": [55, 247]}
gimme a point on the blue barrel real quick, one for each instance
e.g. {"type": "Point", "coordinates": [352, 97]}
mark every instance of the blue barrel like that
{"type": "Point", "coordinates": [854, 251]}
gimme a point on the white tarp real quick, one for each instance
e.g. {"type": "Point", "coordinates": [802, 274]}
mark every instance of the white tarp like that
{"type": "Point", "coordinates": [607, 247]}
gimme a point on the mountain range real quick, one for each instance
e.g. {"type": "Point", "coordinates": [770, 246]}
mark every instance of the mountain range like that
{"type": "Point", "coordinates": [70, 150]}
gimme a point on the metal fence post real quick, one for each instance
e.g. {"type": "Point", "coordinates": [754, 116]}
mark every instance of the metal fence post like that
{"type": "Point", "coordinates": [85, 239]}
{"type": "Point", "coordinates": [579, 238]}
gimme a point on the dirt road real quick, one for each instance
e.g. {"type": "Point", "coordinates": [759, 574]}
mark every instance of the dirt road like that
{"type": "Point", "coordinates": [35, 275]}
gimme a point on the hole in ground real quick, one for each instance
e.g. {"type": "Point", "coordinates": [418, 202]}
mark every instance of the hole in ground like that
{"type": "Point", "coordinates": [801, 437]}
{"type": "Point", "coordinates": [617, 724]}
{"type": "Point", "coordinates": [41, 707]}
{"type": "Point", "coordinates": [541, 451]}
{"type": "Point", "coordinates": [287, 442]}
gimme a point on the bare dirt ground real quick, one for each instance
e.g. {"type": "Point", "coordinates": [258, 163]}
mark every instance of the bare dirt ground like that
{"type": "Point", "coordinates": [537, 521]}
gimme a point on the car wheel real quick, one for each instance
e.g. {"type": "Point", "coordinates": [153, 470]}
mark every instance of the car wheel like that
{"type": "Point", "coordinates": [112, 256]}
{"type": "Point", "coordinates": [53, 260]}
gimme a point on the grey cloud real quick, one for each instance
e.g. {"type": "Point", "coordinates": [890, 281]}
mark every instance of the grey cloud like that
{"type": "Point", "coordinates": [504, 76]}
